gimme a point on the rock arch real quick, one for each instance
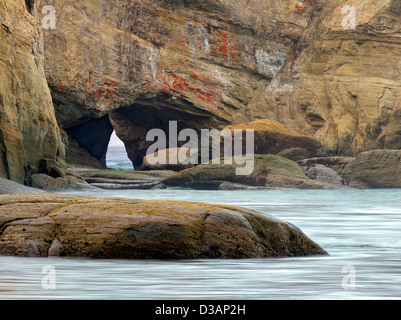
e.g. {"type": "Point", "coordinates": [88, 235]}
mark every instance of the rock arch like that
{"type": "Point", "coordinates": [209, 63]}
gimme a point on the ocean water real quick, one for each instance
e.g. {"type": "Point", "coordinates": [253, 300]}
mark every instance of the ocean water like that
{"type": "Point", "coordinates": [116, 158]}
{"type": "Point", "coordinates": [360, 229]}
{"type": "Point", "coordinates": [120, 165]}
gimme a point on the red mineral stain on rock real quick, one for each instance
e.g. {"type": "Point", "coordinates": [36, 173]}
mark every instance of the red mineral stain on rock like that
{"type": "Point", "coordinates": [226, 46]}
{"type": "Point", "coordinates": [107, 89]}
{"type": "Point", "coordinates": [223, 44]}
{"type": "Point", "coordinates": [200, 87]}
{"type": "Point", "coordinates": [184, 44]}
{"type": "Point", "coordinates": [299, 7]}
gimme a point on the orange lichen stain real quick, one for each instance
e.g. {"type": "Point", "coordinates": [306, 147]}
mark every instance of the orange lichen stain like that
{"type": "Point", "coordinates": [207, 81]}
{"type": "Point", "coordinates": [225, 46]}
{"type": "Point", "coordinates": [184, 44]}
{"type": "Point", "coordinates": [233, 52]}
{"type": "Point", "coordinates": [198, 77]}
{"type": "Point", "coordinates": [200, 87]}
{"type": "Point", "coordinates": [299, 7]}
{"type": "Point", "coordinates": [106, 90]}
{"type": "Point", "coordinates": [52, 83]}
{"type": "Point", "coordinates": [148, 85]}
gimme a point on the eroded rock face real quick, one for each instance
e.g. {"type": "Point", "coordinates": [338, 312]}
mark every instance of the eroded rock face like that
{"type": "Point", "coordinates": [271, 137]}
{"type": "Point", "coordinates": [348, 84]}
{"type": "Point", "coordinates": [211, 63]}
{"type": "Point", "coordinates": [375, 169]}
{"type": "Point", "coordinates": [206, 64]}
{"type": "Point", "coordinates": [28, 127]}
{"type": "Point", "coordinates": [135, 229]}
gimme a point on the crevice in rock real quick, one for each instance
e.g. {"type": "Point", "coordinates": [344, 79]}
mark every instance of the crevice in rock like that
{"type": "Point", "coordinates": [202, 235]}
{"type": "Point", "coordinates": [4, 168]}
{"type": "Point", "coordinates": [30, 4]}
{"type": "Point", "coordinates": [6, 224]}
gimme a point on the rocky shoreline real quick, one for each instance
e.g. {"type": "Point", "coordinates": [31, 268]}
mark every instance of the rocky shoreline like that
{"type": "Point", "coordinates": [370, 169]}
{"type": "Point", "coordinates": [50, 224]}
{"type": "Point", "coordinates": [308, 88]}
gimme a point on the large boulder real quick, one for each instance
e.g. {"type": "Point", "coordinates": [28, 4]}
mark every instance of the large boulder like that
{"type": "Point", "coordinates": [326, 169]}
{"type": "Point", "coordinates": [322, 173]}
{"type": "Point", "coordinates": [337, 163]}
{"type": "Point", "coordinates": [270, 171]}
{"type": "Point", "coordinates": [272, 137]}
{"type": "Point", "coordinates": [375, 169]}
{"type": "Point", "coordinates": [136, 229]}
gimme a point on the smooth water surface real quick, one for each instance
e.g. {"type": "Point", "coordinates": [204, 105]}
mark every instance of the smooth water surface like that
{"type": "Point", "coordinates": [359, 228]}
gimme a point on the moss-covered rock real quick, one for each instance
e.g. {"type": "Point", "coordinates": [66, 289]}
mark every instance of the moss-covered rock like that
{"type": "Point", "coordinates": [269, 171]}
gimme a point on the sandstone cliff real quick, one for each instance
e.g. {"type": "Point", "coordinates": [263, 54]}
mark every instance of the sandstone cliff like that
{"type": "Point", "coordinates": [135, 65]}
{"type": "Point", "coordinates": [28, 126]}
{"type": "Point", "coordinates": [211, 63]}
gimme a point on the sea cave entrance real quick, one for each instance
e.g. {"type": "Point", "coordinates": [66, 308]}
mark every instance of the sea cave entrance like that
{"type": "Point", "coordinates": [156, 111]}
{"type": "Point", "coordinates": [118, 139]}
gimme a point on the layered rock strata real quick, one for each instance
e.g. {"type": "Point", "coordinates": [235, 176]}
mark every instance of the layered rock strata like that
{"type": "Point", "coordinates": [322, 68]}
{"type": "Point", "coordinates": [29, 131]}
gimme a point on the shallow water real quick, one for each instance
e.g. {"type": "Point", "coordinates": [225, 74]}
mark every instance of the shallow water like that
{"type": "Point", "coordinates": [359, 228]}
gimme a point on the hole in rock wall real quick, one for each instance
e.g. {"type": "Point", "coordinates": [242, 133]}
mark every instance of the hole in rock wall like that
{"type": "Point", "coordinates": [116, 157]}
{"type": "Point", "coordinates": [119, 140]}
{"type": "Point", "coordinates": [133, 123]}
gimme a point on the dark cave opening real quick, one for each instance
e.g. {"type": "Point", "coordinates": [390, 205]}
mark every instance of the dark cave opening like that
{"type": "Point", "coordinates": [93, 136]}
{"type": "Point", "coordinates": [132, 123]}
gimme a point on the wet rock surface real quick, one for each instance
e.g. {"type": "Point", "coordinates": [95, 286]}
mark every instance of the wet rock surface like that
{"type": "Point", "coordinates": [122, 179]}
{"type": "Point", "coordinates": [54, 225]}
